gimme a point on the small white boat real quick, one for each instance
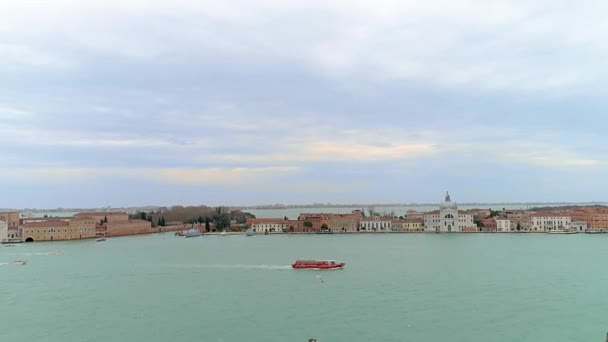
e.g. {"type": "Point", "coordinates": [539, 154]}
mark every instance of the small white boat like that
{"type": "Point", "coordinates": [250, 232]}
{"type": "Point", "coordinates": [223, 233]}
{"type": "Point", "coordinates": [192, 232]}
{"type": "Point", "coordinates": [10, 245]}
{"type": "Point", "coordinates": [19, 262]}
{"type": "Point", "coordinates": [562, 232]}
{"type": "Point", "coordinates": [101, 240]}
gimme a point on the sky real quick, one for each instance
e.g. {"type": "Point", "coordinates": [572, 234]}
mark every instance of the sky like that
{"type": "Point", "coordinates": [242, 102]}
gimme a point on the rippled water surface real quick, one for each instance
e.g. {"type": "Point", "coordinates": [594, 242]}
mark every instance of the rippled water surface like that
{"type": "Point", "coordinates": [395, 287]}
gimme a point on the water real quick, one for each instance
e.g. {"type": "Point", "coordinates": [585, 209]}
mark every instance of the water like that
{"type": "Point", "coordinates": [395, 287]}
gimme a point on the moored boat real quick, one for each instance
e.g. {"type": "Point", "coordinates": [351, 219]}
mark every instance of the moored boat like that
{"type": "Point", "coordinates": [318, 264]}
{"type": "Point", "coordinates": [250, 232]}
{"type": "Point", "coordinates": [19, 262]}
{"type": "Point", "coordinates": [101, 240]}
{"type": "Point", "coordinates": [192, 232]}
{"type": "Point", "coordinates": [562, 232]}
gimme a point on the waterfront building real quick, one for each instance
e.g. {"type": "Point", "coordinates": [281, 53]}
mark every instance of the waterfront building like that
{"type": "Point", "coordinates": [345, 223]}
{"type": "Point", "coordinates": [117, 223]}
{"type": "Point", "coordinates": [580, 226]}
{"type": "Point", "coordinates": [414, 215]}
{"type": "Point", "coordinates": [547, 221]}
{"type": "Point", "coordinates": [596, 218]}
{"type": "Point", "coordinates": [11, 218]}
{"type": "Point", "coordinates": [54, 230]}
{"type": "Point", "coordinates": [519, 218]}
{"type": "Point", "coordinates": [376, 224]}
{"type": "Point", "coordinates": [407, 225]}
{"type": "Point", "coordinates": [270, 225]}
{"type": "Point", "coordinates": [487, 225]}
{"type": "Point", "coordinates": [448, 219]}
{"type": "Point", "coordinates": [503, 225]}
{"type": "Point", "coordinates": [3, 231]}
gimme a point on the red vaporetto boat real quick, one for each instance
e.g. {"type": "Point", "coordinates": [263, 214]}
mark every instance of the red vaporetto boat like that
{"type": "Point", "coordinates": [318, 264]}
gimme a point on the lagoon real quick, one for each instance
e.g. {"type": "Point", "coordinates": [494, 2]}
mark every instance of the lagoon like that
{"type": "Point", "coordinates": [395, 287]}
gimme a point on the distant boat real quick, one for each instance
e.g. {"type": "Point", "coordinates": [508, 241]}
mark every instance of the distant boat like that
{"type": "Point", "coordinates": [223, 233]}
{"type": "Point", "coordinates": [10, 245]}
{"type": "Point", "coordinates": [101, 240]}
{"type": "Point", "coordinates": [19, 262]}
{"type": "Point", "coordinates": [193, 232]}
{"type": "Point", "coordinates": [595, 232]}
{"type": "Point", "coordinates": [562, 232]}
{"type": "Point", "coordinates": [250, 232]}
{"type": "Point", "coordinates": [318, 264]}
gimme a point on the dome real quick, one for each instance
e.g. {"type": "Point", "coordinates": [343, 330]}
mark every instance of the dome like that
{"type": "Point", "coordinates": [447, 202]}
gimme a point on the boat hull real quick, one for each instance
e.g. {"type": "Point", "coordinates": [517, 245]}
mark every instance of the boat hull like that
{"type": "Point", "coordinates": [319, 267]}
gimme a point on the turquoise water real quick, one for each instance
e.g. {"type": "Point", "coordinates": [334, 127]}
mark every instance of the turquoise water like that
{"type": "Point", "coordinates": [395, 287]}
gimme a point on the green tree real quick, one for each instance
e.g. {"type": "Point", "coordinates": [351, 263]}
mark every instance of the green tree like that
{"type": "Point", "coordinates": [105, 219]}
{"type": "Point", "coordinates": [285, 218]}
{"type": "Point", "coordinates": [518, 226]}
{"type": "Point", "coordinates": [308, 224]}
{"type": "Point", "coordinates": [401, 218]}
{"type": "Point", "coordinates": [324, 227]}
{"type": "Point", "coordinates": [163, 221]}
{"type": "Point", "coordinates": [143, 216]}
{"type": "Point", "coordinates": [222, 222]}
{"type": "Point", "coordinates": [200, 219]}
{"type": "Point", "coordinates": [160, 223]}
{"type": "Point", "coordinates": [207, 225]}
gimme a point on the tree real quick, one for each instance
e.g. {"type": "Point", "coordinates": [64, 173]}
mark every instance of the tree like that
{"type": "Point", "coordinates": [324, 227]}
{"type": "Point", "coordinates": [143, 216]}
{"type": "Point", "coordinates": [105, 219]}
{"type": "Point", "coordinates": [160, 223]}
{"type": "Point", "coordinates": [285, 218]}
{"type": "Point", "coordinates": [222, 222]}
{"type": "Point", "coordinates": [207, 225]}
{"type": "Point", "coordinates": [308, 224]}
{"type": "Point", "coordinates": [401, 218]}
{"type": "Point", "coordinates": [163, 221]}
{"type": "Point", "coordinates": [518, 226]}
{"type": "Point", "coordinates": [200, 219]}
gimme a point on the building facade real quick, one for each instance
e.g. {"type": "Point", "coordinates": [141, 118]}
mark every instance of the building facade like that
{"type": "Point", "coordinates": [503, 225]}
{"type": "Point", "coordinates": [268, 225]}
{"type": "Point", "coordinates": [56, 230]}
{"type": "Point", "coordinates": [408, 225]}
{"type": "Point", "coordinates": [4, 231]}
{"type": "Point", "coordinates": [448, 219]}
{"type": "Point", "coordinates": [376, 224]}
{"type": "Point", "coordinates": [544, 222]}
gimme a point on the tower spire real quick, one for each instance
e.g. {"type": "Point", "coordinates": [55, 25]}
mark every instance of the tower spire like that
{"type": "Point", "coordinates": [447, 197]}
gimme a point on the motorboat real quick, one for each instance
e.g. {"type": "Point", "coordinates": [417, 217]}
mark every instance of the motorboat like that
{"type": "Point", "coordinates": [562, 232]}
{"type": "Point", "coordinates": [223, 233]}
{"type": "Point", "coordinates": [19, 262]}
{"type": "Point", "coordinates": [9, 245]}
{"type": "Point", "coordinates": [318, 264]}
{"type": "Point", "coordinates": [250, 232]}
{"type": "Point", "coordinates": [192, 232]}
{"type": "Point", "coordinates": [101, 240]}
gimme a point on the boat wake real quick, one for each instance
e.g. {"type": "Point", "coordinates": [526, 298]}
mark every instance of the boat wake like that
{"type": "Point", "coordinates": [39, 253]}
{"type": "Point", "coordinates": [242, 267]}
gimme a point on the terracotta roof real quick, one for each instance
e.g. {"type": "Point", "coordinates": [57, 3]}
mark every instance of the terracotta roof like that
{"type": "Point", "coordinates": [44, 224]}
{"type": "Point", "coordinates": [266, 220]}
{"type": "Point", "coordinates": [549, 214]}
{"type": "Point", "coordinates": [105, 213]}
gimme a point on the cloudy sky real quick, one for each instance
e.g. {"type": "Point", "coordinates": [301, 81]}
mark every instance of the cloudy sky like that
{"type": "Point", "coordinates": [252, 102]}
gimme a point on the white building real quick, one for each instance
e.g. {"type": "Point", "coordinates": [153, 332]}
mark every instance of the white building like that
{"type": "Point", "coordinates": [269, 225]}
{"type": "Point", "coordinates": [580, 226]}
{"type": "Point", "coordinates": [376, 224]}
{"type": "Point", "coordinates": [542, 222]}
{"type": "Point", "coordinates": [503, 225]}
{"type": "Point", "coordinates": [3, 231]}
{"type": "Point", "coordinates": [448, 219]}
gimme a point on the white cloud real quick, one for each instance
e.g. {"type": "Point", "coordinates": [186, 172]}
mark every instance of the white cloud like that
{"type": "Point", "coordinates": [184, 176]}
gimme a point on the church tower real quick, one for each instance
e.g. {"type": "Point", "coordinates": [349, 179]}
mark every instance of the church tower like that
{"type": "Point", "coordinates": [448, 215]}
